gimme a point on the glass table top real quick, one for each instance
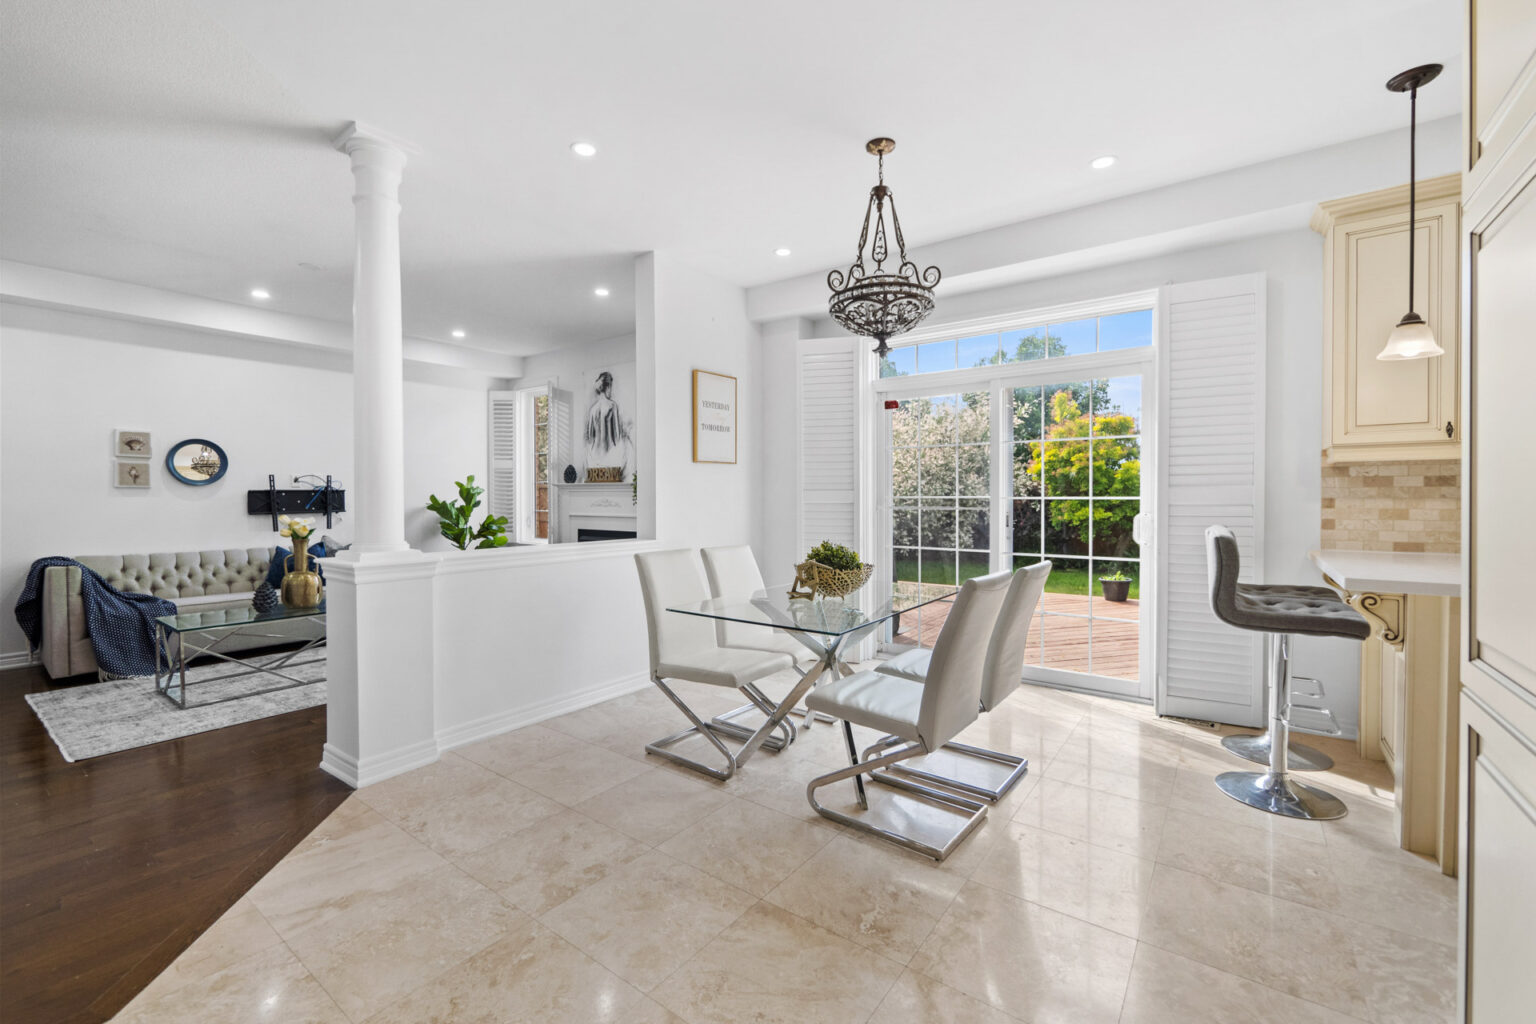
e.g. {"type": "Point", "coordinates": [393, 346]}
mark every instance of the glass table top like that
{"type": "Point", "coordinates": [245, 615]}
{"type": "Point", "coordinates": [828, 616]}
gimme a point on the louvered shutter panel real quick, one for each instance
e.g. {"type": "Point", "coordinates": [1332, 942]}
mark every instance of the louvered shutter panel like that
{"type": "Point", "coordinates": [501, 499]}
{"type": "Point", "coordinates": [828, 386]}
{"type": "Point", "coordinates": [1211, 433]}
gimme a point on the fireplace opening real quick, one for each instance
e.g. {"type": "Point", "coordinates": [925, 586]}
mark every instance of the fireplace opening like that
{"type": "Point", "coordinates": [584, 534]}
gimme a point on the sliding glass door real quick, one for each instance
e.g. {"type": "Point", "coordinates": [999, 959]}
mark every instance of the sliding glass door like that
{"type": "Point", "coordinates": [1076, 499]}
{"type": "Point", "coordinates": [1018, 457]}
{"type": "Point", "coordinates": [941, 498]}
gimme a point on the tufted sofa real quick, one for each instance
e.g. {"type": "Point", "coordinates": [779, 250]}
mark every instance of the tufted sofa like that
{"type": "Point", "coordinates": [203, 581]}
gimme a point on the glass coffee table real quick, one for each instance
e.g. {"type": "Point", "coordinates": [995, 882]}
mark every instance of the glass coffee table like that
{"type": "Point", "coordinates": [198, 633]}
{"type": "Point", "coordinates": [825, 625]}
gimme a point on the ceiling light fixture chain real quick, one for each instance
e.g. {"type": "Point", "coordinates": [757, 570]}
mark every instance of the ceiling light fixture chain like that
{"type": "Point", "coordinates": [881, 304]}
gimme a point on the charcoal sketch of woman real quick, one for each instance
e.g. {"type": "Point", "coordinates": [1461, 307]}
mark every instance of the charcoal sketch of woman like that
{"type": "Point", "coordinates": [607, 434]}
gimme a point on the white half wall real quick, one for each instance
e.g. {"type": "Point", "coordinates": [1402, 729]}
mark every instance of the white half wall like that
{"type": "Point", "coordinates": [68, 380]}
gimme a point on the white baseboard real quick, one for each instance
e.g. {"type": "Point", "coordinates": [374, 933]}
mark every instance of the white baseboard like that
{"type": "Point", "coordinates": [396, 762]}
{"type": "Point", "coordinates": [17, 659]}
{"type": "Point", "coordinates": [378, 768]}
{"type": "Point", "coordinates": [517, 718]}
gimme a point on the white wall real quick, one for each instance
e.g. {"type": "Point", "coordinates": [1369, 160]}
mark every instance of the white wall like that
{"type": "Point", "coordinates": [700, 322]}
{"type": "Point", "coordinates": [68, 380]}
{"type": "Point", "coordinates": [1293, 261]}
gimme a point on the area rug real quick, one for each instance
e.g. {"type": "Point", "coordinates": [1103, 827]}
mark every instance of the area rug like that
{"type": "Point", "coordinates": [102, 718]}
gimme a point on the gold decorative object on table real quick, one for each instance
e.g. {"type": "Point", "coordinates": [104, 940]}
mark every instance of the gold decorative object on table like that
{"type": "Point", "coordinates": [826, 581]}
{"type": "Point", "coordinates": [605, 474]}
{"type": "Point", "coordinates": [301, 588]}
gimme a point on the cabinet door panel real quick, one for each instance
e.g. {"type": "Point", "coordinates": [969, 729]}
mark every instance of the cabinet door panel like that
{"type": "Point", "coordinates": [1503, 486]}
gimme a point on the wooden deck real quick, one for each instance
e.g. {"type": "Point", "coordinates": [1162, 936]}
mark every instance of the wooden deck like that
{"type": "Point", "coordinates": [1059, 637]}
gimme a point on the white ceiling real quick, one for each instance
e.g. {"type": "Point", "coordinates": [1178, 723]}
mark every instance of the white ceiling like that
{"type": "Point", "coordinates": [185, 145]}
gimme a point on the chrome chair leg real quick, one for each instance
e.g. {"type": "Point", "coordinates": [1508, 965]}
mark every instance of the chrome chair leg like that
{"type": "Point", "coordinates": [1017, 768]}
{"type": "Point", "coordinates": [1273, 791]}
{"type": "Point", "coordinates": [974, 812]}
{"type": "Point", "coordinates": [699, 728]}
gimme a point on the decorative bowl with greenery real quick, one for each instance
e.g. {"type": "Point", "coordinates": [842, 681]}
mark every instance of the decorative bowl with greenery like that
{"type": "Point", "coordinates": [833, 570]}
{"type": "Point", "coordinates": [454, 519]}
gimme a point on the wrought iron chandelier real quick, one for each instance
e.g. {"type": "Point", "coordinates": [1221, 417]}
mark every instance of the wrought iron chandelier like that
{"type": "Point", "coordinates": [881, 304]}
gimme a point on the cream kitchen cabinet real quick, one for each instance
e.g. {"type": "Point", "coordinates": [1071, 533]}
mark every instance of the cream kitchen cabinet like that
{"type": "Point", "coordinates": [1498, 672]}
{"type": "Point", "coordinates": [1389, 411]}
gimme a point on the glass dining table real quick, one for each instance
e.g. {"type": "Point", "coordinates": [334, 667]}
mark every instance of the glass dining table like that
{"type": "Point", "coordinates": [826, 626]}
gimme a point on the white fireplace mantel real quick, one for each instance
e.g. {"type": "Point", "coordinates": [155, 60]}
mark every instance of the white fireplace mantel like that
{"type": "Point", "coordinates": [593, 507]}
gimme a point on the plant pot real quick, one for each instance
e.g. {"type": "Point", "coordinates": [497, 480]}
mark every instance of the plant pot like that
{"type": "Point", "coordinates": [1115, 590]}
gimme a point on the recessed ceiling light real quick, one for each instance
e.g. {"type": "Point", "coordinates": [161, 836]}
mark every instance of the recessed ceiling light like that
{"type": "Point", "coordinates": [600, 292]}
{"type": "Point", "coordinates": [1101, 163]}
{"type": "Point", "coordinates": [583, 149]}
{"type": "Point", "coordinates": [457, 332]}
{"type": "Point", "coordinates": [260, 293]}
{"type": "Point", "coordinates": [781, 251]}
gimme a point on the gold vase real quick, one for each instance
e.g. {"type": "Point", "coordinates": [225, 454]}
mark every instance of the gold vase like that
{"type": "Point", "coordinates": [301, 588]}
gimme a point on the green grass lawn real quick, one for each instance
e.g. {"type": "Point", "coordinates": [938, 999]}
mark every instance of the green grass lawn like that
{"type": "Point", "coordinates": [1061, 581]}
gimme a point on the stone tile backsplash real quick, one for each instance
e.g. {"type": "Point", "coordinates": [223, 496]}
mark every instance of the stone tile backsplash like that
{"type": "Point", "coordinates": [1393, 506]}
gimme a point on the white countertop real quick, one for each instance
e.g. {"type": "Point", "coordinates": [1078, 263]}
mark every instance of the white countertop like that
{"type": "Point", "coordinates": [1392, 572]}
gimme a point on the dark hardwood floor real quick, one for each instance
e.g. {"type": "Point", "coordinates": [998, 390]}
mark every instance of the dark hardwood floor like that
{"type": "Point", "coordinates": [110, 867]}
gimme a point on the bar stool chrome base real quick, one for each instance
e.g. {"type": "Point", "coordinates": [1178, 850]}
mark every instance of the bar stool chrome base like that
{"type": "Point", "coordinates": [1299, 756]}
{"type": "Point", "coordinates": [1277, 794]}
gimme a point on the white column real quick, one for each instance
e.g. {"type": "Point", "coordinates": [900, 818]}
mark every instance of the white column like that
{"type": "Point", "coordinates": [378, 509]}
{"type": "Point", "coordinates": [380, 630]}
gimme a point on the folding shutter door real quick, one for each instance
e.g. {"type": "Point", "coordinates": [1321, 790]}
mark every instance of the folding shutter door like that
{"type": "Point", "coordinates": [1211, 430]}
{"type": "Point", "coordinates": [827, 380]}
{"type": "Point", "coordinates": [502, 419]}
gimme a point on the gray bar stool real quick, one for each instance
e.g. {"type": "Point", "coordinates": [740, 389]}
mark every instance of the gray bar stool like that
{"type": "Point", "coordinates": [1280, 612]}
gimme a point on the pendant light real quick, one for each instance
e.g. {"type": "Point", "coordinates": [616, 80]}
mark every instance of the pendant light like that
{"type": "Point", "coordinates": [876, 302]}
{"type": "Point", "coordinates": [1412, 338]}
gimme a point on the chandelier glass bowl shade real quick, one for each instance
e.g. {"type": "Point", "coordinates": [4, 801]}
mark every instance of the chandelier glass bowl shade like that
{"type": "Point", "coordinates": [1412, 337]}
{"type": "Point", "coordinates": [874, 302]}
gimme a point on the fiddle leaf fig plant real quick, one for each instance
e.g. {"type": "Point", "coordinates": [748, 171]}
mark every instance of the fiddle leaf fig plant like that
{"type": "Point", "coordinates": [454, 519]}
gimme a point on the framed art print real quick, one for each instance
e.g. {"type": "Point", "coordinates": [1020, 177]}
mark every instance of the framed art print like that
{"type": "Point", "coordinates": [714, 417]}
{"type": "Point", "coordinates": [130, 473]}
{"type": "Point", "coordinates": [131, 444]}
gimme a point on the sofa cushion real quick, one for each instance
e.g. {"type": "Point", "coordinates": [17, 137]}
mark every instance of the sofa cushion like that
{"type": "Point", "coordinates": [174, 575]}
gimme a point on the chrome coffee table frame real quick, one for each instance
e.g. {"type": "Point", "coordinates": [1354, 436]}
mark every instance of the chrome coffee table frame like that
{"type": "Point", "coordinates": [174, 675]}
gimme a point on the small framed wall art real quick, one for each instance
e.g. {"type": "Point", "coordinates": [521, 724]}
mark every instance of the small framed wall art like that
{"type": "Point", "coordinates": [714, 417]}
{"type": "Point", "coordinates": [131, 444]}
{"type": "Point", "coordinates": [131, 473]}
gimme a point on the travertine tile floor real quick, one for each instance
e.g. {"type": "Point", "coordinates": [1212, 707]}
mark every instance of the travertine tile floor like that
{"type": "Point", "coordinates": [557, 874]}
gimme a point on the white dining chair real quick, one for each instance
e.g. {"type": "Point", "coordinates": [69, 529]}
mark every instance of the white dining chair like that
{"type": "Point", "coordinates": [1001, 675]}
{"type": "Point", "coordinates": [921, 716]}
{"type": "Point", "coordinates": [686, 647]}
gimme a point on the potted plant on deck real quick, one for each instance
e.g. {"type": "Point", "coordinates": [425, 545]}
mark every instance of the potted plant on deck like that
{"type": "Point", "coordinates": [1116, 586]}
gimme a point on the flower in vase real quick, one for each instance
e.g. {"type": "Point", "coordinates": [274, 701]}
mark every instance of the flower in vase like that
{"type": "Point", "coordinates": [295, 526]}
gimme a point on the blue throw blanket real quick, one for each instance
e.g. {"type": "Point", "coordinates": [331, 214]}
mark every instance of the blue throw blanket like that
{"type": "Point", "coordinates": [121, 625]}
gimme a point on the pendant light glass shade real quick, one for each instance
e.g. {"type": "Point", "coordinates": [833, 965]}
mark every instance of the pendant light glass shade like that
{"type": "Point", "coordinates": [1410, 339]}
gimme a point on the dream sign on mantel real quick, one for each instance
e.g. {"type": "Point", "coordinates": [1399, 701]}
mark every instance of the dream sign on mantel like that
{"type": "Point", "coordinates": [714, 417]}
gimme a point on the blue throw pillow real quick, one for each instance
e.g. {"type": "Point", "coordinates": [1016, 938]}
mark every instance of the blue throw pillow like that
{"type": "Point", "coordinates": [279, 564]}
